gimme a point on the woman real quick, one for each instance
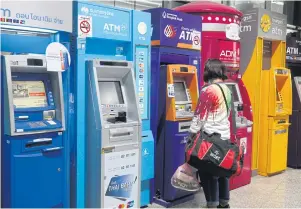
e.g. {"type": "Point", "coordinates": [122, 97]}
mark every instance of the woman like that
{"type": "Point", "coordinates": [212, 116]}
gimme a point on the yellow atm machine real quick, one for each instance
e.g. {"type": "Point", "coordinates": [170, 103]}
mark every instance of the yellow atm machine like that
{"type": "Point", "coordinates": [263, 54]}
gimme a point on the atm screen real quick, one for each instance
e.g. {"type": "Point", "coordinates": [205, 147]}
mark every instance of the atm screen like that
{"type": "Point", "coordinates": [28, 94]}
{"type": "Point", "coordinates": [110, 92]}
{"type": "Point", "coordinates": [180, 92]}
{"type": "Point", "coordinates": [235, 94]}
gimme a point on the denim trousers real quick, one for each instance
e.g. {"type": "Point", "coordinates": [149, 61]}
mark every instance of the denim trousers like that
{"type": "Point", "coordinates": [216, 189]}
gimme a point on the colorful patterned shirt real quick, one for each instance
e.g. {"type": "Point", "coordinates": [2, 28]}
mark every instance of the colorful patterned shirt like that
{"type": "Point", "coordinates": [211, 114]}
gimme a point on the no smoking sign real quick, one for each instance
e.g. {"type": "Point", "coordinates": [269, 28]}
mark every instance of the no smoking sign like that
{"type": "Point", "coordinates": [196, 40]}
{"type": "Point", "coordinates": [84, 26]}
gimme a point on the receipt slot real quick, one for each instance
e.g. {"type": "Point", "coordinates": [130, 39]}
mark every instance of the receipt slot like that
{"type": "Point", "coordinates": [177, 97]}
{"type": "Point", "coordinates": [113, 136]}
{"type": "Point", "coordinates": [33, 164]}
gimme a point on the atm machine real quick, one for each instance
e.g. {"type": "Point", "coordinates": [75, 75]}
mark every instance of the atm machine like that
{"type": "Point", "coordinates": [34, 165]}
{"type": "Point", "coordinates": [176, 41]}
{"type": "Point", "coordinates": [268, 82]}
{"type": "Point", "coordinates": [113, 136]}
{"type": "Point", "coordinates": [223, 43]}
{"type": "Point", "coordinates": [120, 35]}
{"type": "Point", "coordinates": [293, 62]}
{"type": "Point", "coordinates": [177, 98]}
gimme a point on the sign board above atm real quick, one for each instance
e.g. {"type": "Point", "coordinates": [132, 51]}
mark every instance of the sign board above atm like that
{"type": "Point", "coordinates": [263, 23]}
{"type": "Point", "coordinates": [176, 29]}
{"type": "Point", "coordinates": [293, 50]}
{"type": "Point", "coordinates": [103, 22]}
{"type": "Point", "coordinates": [52, 15]}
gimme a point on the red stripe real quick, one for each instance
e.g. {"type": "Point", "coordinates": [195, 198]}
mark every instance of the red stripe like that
{"type": "Point", "coordinates": [228, 160]}
{"type": "Point", "coordinates": [204, 148]}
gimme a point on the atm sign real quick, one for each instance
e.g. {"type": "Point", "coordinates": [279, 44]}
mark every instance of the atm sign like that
{"type": "Point", "coordinates": [229, 53]}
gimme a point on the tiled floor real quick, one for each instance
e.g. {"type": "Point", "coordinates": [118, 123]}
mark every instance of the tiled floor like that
{"type": "Point", "coordinates": [280, 191]}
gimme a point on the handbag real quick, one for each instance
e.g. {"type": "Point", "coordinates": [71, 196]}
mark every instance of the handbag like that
{"type": "Point", "coordinates": [213, 155]}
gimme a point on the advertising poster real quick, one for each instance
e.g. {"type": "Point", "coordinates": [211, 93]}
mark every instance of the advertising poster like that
{"type": "Point", "coordinates": [121, 179]}
{"type": "Point", "coordinates": [293, 50]}
{"type": "Point", "coordinates": [57, 57]}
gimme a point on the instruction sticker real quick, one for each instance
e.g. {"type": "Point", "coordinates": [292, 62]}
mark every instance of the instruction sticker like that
{"type": "Point", "coordinates": [170, 90]}
{"type": "Point", "coordinates": [84, 26]}
{"type": "Point", "coordinates": [243, 143]}
{"type": "Point", "coordinates": [196, 40]}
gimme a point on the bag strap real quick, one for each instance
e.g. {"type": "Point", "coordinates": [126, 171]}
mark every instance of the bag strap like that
{"type": "Point", "coordinates": [232, 109]}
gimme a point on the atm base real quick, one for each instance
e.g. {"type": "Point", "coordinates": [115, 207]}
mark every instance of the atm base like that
{"type": "Point", "coordinates": [173, 203]}
{"type": "Point", "coordinates": [294, 166]}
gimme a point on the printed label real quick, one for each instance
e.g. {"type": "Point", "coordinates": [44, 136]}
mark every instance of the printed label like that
{"type": "Point", "coordinates": [170, 90]}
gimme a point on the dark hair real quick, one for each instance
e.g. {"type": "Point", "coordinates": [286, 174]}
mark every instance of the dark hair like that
{"type": "Point", "coordinates": [214, 69]}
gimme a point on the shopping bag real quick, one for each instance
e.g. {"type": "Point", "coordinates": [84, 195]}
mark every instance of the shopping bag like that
{"type": "Point", "coordinates": [185, 179]}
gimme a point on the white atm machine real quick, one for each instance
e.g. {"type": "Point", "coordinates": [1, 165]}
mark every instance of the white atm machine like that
{"type": "Point", "coordinates": [113, 136]}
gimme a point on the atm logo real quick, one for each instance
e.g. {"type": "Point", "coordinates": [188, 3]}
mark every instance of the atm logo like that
{"type": "Point", "coordinates": [265, 23]}
{"type": "Point", "coordinates": [169, 31]}
{"type": "Point", "coordinates": [5, 16]}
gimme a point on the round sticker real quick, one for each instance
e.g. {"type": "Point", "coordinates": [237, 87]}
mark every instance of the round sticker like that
{"type": "Point", "coordinates": [142, 28]}
{"type": "Point", "coordinates": [57, 57]}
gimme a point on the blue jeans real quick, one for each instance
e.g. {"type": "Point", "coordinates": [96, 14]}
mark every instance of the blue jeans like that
{"type": "Point", "coordinates": [216, 189]}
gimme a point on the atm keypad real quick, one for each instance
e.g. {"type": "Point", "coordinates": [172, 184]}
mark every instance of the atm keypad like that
{"type": "Point", "coordinates": [36, 124]}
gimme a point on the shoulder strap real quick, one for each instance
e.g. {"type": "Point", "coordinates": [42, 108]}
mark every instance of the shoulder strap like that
{"type": "Point", "coordinates": [232, 109]}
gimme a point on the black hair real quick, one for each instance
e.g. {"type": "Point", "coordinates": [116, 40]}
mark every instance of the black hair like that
{"type": "Point", "coordinates": [214, 69]}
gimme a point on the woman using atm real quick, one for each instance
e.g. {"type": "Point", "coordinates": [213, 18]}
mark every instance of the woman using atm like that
{"type": "Point", "coordinates": [212, 116]}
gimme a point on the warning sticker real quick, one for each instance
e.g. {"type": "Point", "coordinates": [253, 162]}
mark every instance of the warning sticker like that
{"type": "Point", "coordinates": [196, 40]}
{"type": "Point", "coordinates": [243, 143]}
{"type": "Point", "coordinates": [84, 26]}
{"type": "Point", "coordinates": [170, 90]}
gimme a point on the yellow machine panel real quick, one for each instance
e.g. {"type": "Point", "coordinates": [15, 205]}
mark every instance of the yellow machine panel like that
{"type": "Point", "coordinates": [263, 53]}
{"type": "Point", "coordinates": [182, 78]}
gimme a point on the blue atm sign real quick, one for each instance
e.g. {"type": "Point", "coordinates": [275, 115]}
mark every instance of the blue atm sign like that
{"type": "Point", "coordinates": [103, 22]}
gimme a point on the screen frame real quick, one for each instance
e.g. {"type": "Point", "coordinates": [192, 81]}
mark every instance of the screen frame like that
{"type": "Point", "coordinates": [24, 76]}
{"type": "Point", "coordinates": [121, 89]}
{"type": "Point", "coordinates": [237, 90]}
{"type": "Point", "coordinates": [112, 80]}
{"type": "Point", "coordinates": [188, 99]}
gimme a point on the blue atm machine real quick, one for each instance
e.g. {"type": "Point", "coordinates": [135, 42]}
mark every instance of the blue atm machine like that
{"type": "Point", "coordinates": [37, 110]}
{"type": "Point", "coordinates": [34, 165]}
{"type": "Point", "coordinates": [109, 33]}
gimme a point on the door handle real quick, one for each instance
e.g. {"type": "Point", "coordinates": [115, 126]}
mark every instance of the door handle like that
{"type": "Point", "coordinates": [53, 149]}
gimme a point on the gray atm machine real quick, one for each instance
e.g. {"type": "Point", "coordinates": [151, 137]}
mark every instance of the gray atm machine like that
{"type": "Point", "coordinates": [113, 136]}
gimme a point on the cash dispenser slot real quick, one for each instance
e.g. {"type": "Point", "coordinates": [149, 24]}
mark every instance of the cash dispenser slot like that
{"type": "Point", "coordinates": [184, 126]}
{"type": "Point", "coordinates": [38, 143]}
{"type": "Point", "coordinates": [121, 134]}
